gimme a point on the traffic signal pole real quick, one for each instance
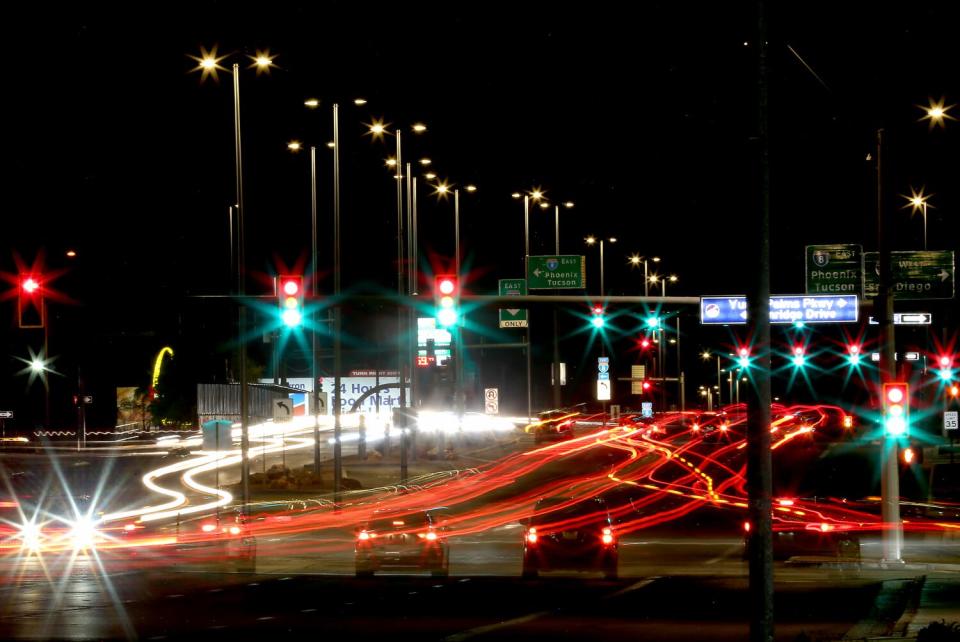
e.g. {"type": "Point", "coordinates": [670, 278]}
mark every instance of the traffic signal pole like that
{"type": "Point", "coordinates": [889, 469]}
{"type": "Point", "coordinates": [759, 464]}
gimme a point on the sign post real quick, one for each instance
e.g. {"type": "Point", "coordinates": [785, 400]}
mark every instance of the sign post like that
{"type": "Point", "coordinates": [491, 401]}
{"type": "Point", "coordinates": [557, 272]}
{"type": "Point", "coordinates": [513, 317]}
{"type": "Point", "coordinates": [914, 274]}
{"type": "Point", "coordinates": [834, 269]}
{"type": "Point", "coordinates": [811, 308]}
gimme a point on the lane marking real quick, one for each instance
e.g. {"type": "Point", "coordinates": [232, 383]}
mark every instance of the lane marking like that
{"type": "Point", "coordinates": [480, 630]}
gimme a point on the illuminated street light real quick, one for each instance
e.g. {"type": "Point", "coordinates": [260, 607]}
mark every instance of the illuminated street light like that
{"type": "Point", "coordinates": [471, 188]}
{"type": "Point", "coordinates": [359, 101]}
{"type": "Point", "coordinates": [516, 196]}
{"type": "Point", "coordinates": [568, 205]}
{"type": "Point", "coordinates": [425, 161]}
{"type": "Point", "coordinates": [937, 113]}
{"type": "Point", "coordinates": [918, 202]}
{"type": "Point", "coordinates": [419, 128]}
{"type": "Point", "coordinates": [312, 103]}
{"type": "Point", "coordinates": [294, 146]}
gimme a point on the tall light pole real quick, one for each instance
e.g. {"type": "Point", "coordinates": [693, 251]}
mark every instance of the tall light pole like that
{"type": "Point", "coordinates": [208, 63]}
{"type": "Point", "coordinates": [557, 401]}
{"type": "Point", "coordinates": [635, 260]}
{"type": "Point", "coordinates": [918, 201]}
{"type": "Point", "coordinates": [536, 195]}
{"type": "Point", "coordinates": [591, 240]}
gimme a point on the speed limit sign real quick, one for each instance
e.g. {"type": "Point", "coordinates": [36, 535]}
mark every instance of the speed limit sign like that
{"type": "Point", "coordinates": [950, 420]}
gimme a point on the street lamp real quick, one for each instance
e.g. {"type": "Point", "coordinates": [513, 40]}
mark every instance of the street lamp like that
{"type": "Point", "coordinates": [706, 357]}
{"type": "Point", "coordinates": [536, 194]}
{"type": "Point", "coordinates": [208, 63]}
{"type": "Point", "coordinates": [635, 260]}
{"type": "Point", "coordinates": [936, 113]}
{"type": "Point", "coordinates": [918, 201]}
{"type": "Point", "coordinates": [592, 240]}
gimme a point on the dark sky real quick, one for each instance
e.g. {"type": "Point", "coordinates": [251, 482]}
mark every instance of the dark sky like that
{"type": "Point", "coordinates": [641, 114]}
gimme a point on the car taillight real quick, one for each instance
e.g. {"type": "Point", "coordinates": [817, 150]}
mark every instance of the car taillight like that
{"type": "Point", "coordinates": [746, 527]}
{"type": "Point", "coordinates": [431, 536]}
{"type": "Point", "coordinates": [607, 536]}
{"type": "Point", "coordinates": [532, 535]}
{"type": "Point", "coordinates": [365, 535]}
{"type": "Point", "coordinates": [208, 527]}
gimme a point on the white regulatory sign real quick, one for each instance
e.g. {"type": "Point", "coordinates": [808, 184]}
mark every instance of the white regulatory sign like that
{"type": "Point", "coordinates": [491, 401]}
{"type": "Point", "coordinates": [603, 390]}
{"type": "Point", "coordinates": [950, 420]}
{"type": "Point", "coordinates": [283, 409]}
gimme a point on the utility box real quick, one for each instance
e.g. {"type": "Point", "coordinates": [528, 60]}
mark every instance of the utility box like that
{"type": "Point", "coordinates": [217, 435]}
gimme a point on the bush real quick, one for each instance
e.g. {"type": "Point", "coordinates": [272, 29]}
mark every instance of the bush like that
{"type": "Point", "coordinates": [939, 632]}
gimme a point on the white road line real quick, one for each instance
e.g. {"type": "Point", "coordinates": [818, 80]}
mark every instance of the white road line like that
{"type": "Point", "coordinates": [480, 630]}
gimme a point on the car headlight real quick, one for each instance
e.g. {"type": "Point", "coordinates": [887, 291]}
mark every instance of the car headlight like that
{"type": "Point", "coordinates": [83, 533]}
{"type": "Point", "coordinates": [31, 536]}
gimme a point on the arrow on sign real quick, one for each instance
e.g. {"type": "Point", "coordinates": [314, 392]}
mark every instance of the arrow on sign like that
{"type": "Point", "coordinates": [513, 311]}
{"type": "Point", "coordinates": [536, 272]}
{"type": "Point", "coordinates": [281, 404]}
{"type": "Point", "coordinates": [944, 275]}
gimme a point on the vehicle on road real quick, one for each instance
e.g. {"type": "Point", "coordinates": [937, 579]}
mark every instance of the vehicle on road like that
{"type": "Point", "coordinates": [569, 535]}
{"type": "Point", "coordinates": [556, 424]}
{"type": "Point", "coordinates": [403, 540]}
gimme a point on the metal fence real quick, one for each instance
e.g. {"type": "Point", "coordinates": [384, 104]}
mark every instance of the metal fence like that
{"type": "Point", "coordinates": [222, 401]}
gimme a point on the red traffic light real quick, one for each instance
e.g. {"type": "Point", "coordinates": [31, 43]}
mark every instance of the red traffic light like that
{"type": "Point", "coordinates": [853, 348]}
{"type": "Point", "coordinates": [895, 393]}
{"type": "Point", "coordinates": [30, 284]}
{"type": "Point", "coordinates": [945, 361]}
{"type": "Point", "coordinates": [446, 285]}
{"type": "Point", "coordinates": [598, 309]}
{"type": "Point", "coordinates": [30, 302]}
{"type": "Point", "coordinates": [646, 385]}
{"type": "Point", "coordinates": [744, 352]}
{"type": "Point", "coordinates": [290, 286]}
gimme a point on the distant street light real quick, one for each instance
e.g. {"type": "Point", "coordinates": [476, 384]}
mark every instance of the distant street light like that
{"type": "Point", "coordinates": [635, 260]}
{"type": "Point", "coordinates": [208, 63]}
{"type": "Point", "coordinates": [936, 113]}
{"type": "Point", "coordinates": [918, 201]}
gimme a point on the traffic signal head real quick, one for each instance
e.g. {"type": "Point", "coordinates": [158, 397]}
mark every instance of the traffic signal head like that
{"type": "Point", "coordinates": [30, 302]}
{"type": "Point", "coordinates": [446, 292]}
{"type": "Point", "coordinates": [743, 358]}
{"type": "Point", "coordinates": [946, 367]}
{"type": "Point", "coordinates": [954, 390]}
{"type": "Point", "coordinates": [597, 320]}
{"type": "Point", "coordinates": [896, 409]}
{"type": "Point", "coordinates": [291, 300]}
{"type": "Point", "coordinates": [653, 322]}
{"type": "Point", "coordinates": [799, 358]}
{"type": "Point", "coordinates": [853, 354]}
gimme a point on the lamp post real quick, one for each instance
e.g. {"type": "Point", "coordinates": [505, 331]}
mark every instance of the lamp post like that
{"type": "Point", "coordinates": [557, 402]}
{"type": "Point", "coordinates": [591, 240]}
{"type": "Point", "coordinates": [536, 195]}
{"type": "Point", "coordinates": [208, 63]}
{"type": "Point", "coordinates": [635, 260]}
{"type": "Point", "coordinates": [918, 202]}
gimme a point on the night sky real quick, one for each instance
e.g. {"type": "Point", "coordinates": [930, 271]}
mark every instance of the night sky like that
{"type": "Point", "coordinates": [642, 115]}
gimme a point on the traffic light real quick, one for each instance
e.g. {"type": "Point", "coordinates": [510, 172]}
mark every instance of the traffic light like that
{"type": "Point", "coordinates": [946, 367]}
{"type": "Point", "coordinates": [598, 320]}
{"type": "Point", "coordinates": [896, 421]}
{"type": "Point", "coordinates": [653, 322]}
{"type": "Point", "coordinates": [853, 354]}
{"type": "Point", "coordinates": [954, 391]}
{"type": "Point", "coordinates": [799, 357]}
{"type": "Point", "coordinates": [291, 300]}
{"type": "Point", "coordinates": [446, 293]}
{"type": "Point", "coordinates": [743, 358]}
{"type": "Point", "coordinates": [30, 302]}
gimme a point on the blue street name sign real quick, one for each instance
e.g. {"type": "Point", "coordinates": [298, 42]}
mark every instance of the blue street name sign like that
{"type": "Point", "coordinates": [827, 308]}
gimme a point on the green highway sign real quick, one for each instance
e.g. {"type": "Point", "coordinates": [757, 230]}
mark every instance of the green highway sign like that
{"type": "Point", "coordinates": [513, 317]}
{"type": "Point", "coordinates": [833, 269]}
{"type": "Point", "coordinates": [557, 272]}
{"type": "Point", "coordinates": [914, 274]}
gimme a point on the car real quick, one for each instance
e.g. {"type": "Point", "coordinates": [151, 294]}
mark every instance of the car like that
{"type": "Point", "coordinates": [556, 424]}
{"type": "Point", "coordinates": [222, 542]}
{"type": "Point", "coordinates": [816, 540]}
{"type": "Point", "coordinates": [570, 535]}
{"type": "Point", "coordinates": [402, 540]}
